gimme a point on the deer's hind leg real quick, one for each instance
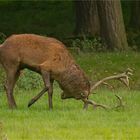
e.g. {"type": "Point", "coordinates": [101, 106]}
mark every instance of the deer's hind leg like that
{"type": "Point", "coordinates": [12, 76]}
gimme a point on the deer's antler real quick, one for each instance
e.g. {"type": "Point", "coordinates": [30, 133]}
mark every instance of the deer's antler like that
{"type": "Point", "coordinates": [123, 77]}
{"type": "Point", "coordinates": [87, 102]}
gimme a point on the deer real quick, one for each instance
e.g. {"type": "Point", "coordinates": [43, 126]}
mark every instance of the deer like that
{"type": "Point", "coordinates": [51, 59]}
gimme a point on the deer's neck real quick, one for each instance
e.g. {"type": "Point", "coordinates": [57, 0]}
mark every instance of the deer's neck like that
{"type": "Point", "coordinates": [72, 78]}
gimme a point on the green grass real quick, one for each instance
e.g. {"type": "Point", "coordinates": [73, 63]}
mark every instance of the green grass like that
{"type": "Point", "coordinates": [68, 121]}
{"type": "Point", "coordinates": [99, 65]}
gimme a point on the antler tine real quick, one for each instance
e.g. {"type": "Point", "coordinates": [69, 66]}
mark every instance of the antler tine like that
{"type": "Point", "coordinates": [120, 102]}
{"type": "Point", "coordinates": [125, 77]}
{"type": "Point", "coordinates": [129, 71]}
{"type": "Point", "coordinates": [87, 102]}
{"type": "Point", "coordinates": [109, 85]}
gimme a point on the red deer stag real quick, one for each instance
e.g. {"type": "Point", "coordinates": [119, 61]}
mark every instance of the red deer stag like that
{"type": "Point", "coordinates": [50, 58]}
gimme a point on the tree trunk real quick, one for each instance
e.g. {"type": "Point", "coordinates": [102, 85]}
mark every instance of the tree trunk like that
{"type": "Point", "coordinates": [135, 14]}
{"type": "Point", "coordinates": [112, 24]}
{"type": "Point", "coordinates": [87, 21]}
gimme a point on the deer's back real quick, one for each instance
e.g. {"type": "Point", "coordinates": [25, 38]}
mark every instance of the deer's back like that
{"type": "Point", "coordinates": [34, 50]}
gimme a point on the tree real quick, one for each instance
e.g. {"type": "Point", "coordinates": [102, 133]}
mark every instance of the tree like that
{"type": "Point", "coordinates": [135, 14]}
{"type": "Point", "coordinates": [112, 24]}
{"type": "Point", "coordinates": [87, 21]}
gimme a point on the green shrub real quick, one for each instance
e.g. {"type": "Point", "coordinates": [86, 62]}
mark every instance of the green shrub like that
{"type": "Point", "coordinates": [134, 39]}
{"type": "Point", "coordinates": [2, 37]}
{"type": "Point", "coordinates": [88, 45]}
{"type": "Point", "coordinates": [28, 80]}
{"type": "Point", "coordinates": [2, 79]}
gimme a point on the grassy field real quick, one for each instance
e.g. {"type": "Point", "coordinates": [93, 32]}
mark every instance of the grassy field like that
{"type": "Point", "coordinates": [68, 121]}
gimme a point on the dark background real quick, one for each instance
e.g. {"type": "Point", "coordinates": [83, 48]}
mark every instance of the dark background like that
{"type": "Point", "coordinates": [56, 19]}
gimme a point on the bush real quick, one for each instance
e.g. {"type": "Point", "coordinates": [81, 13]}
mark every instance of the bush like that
{"type": "Point", "coordinates": [2, 37]}
{"type": "Point", "coordinates": [28, 80]}
{"type": "Point", "coordinates": [134, 39]}
{"type": "Point", "coordinates": [88, 45]}
{"type": "Point", "coordinates": [2, 79]}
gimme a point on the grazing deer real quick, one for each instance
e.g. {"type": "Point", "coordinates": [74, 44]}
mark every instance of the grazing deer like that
{"type": "Point", "coordinates": [50, 58]}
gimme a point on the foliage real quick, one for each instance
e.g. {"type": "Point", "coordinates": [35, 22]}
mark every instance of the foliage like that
{"type": "Point", "coordinates": [29, 80]}
{"type": "Point", "coordinates": [52, 18]}
{"type": "Point", "coordinates": [2, 79]}
{"type": "Point", "coordinates": [134, 39]}
{"type": "Point", "coordinates": [40, 17]}
{"type": "Point", "coordinates": [2, 37]}
{"type": "Point", "coordinates": [88, 45]}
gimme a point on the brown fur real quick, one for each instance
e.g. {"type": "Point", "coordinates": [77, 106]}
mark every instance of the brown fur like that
{"type": "Point", "coordinates": [42, 55]}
